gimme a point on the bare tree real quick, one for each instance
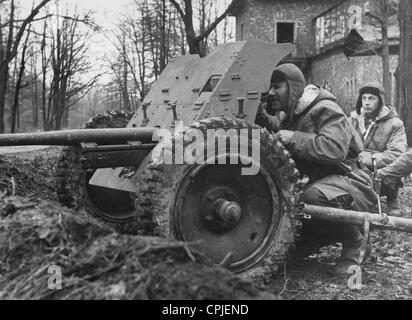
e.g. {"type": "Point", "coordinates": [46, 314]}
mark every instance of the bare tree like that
{"type": "Point", "coordinates": [130, 64]}
{"type": "Point", "coordinates": [120, 83]}
{"type": "Point", "coordinates": [405, 66]}
{"type": "Point", "coordinates": [163, 36]}
{"type": "Point", "coordinates": [66, 56]}
{"type": "Point", "coordinates": [44, 66]}
{"type": "Point", "coordinates": [195, 41]}
{"type": "Point", "coordinates": [34, 87]}
{"type": "Point", "coordinates": [385, 9]}
{"type": "Point", "coordinates": [11, 34]}
{"type": "Point", "coordinates": [15, 111]}
{"type": "Point", "coordinates": [145, 40]}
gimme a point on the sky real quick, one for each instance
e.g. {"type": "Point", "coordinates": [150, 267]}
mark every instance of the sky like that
{"type": "Point", "coordinates": [105, 13]}
{"type": "Point", "coordinates": [105, 9]}
{"type": "Point", "coordinates": [109, 5]}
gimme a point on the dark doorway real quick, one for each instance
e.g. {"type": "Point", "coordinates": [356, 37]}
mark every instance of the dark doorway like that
{"type": "Point", "coordinates": [285, 32]}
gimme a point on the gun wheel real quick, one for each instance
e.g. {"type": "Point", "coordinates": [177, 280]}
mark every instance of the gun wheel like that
{"type": "Point", "coordinates": [74, 190]}
{"type": "Point", "coordinates": [240, 220]}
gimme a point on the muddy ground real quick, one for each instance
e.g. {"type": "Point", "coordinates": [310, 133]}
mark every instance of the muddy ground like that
{"type": "Point", "coordinates": [36, 233]}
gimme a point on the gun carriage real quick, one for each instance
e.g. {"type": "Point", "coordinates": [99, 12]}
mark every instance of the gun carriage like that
{"type": "Point", "coordinates": [111, 168]}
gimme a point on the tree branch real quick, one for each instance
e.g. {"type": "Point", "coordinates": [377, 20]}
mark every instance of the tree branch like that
{"type": "Point", "coordinates": [26, 21]}
{"type": "Point", "coordinates": [216, 22]}
{"type": "Point", "coordinates": [376, 17]}
{"type": "Point", "coordinates": [178, 8]}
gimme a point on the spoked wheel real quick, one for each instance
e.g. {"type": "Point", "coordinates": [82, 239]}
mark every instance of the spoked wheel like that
{"type": "Point", "coordinates": [238, 219]}
{"type": "Point", "coordinates": [72, 183]}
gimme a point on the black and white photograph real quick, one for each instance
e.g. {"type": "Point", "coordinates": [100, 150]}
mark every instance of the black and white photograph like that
{"type": "Point", "coordinates": [205, 154]}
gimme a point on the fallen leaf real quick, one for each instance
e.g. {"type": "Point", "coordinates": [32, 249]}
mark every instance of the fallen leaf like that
{"type": "Point", "coordinates": [43, 232]}
{"type": "Point", "coordinates": [116, 291]}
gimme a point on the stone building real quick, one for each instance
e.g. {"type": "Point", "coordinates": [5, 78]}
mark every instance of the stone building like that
{"type": "Point", "coordinates": [338, 42]}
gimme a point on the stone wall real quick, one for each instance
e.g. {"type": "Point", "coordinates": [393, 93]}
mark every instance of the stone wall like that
{"type": "Point", "coordinates": [345, 76]}
{"type": "Point", "coordinates": [259, 18]}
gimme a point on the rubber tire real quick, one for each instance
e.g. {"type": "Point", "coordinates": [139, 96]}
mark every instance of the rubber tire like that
{"type": "Point", "coordinates": [158, 184]}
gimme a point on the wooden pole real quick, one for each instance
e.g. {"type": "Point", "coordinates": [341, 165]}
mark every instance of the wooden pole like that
{"type": "Point", "coordinates": [359, 218]}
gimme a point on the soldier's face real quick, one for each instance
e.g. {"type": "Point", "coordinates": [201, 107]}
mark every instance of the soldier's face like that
{"type": "Point", "coordinates": [279, 95]}
{"type": "Point", "coordinates": [370, 103]}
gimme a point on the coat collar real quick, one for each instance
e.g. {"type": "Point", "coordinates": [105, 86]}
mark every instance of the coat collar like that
{"type": "Point", "coordinates": [386, 112]}
{"type": "Point", "coordinates": [308, 97]}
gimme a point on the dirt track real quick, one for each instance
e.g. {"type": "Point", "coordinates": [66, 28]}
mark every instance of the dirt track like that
{"type": "Point", "coordinates": [36, 232]}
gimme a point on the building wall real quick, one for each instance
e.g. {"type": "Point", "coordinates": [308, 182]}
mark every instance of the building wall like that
{"type": "Point", "coordinates": [345, 76]}
{"type": "Point", "coordinates": [259, 19]}
{"type": "Point", "coordinates": [243, 24]}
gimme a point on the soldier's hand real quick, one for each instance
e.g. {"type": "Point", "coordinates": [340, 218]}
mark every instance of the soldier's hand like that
{"type": "Point", "coordinates": [390, 182]}
{"type": "Point", "coordinates": [285, 136]}
{"type": "Point", "coordinates": [262, 109]}
{"type": "Point", "coordinates": [281, 115]}
{"type": "Point", "coordinates": [271, 122]}
{"type": "Point", "coordinates": [366, 158]}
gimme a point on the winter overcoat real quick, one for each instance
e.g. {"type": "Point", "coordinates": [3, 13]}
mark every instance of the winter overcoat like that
{"type": "Point", "coordinates": [323, 139]}
{"type": "Point", "coordinates": [385, 137]}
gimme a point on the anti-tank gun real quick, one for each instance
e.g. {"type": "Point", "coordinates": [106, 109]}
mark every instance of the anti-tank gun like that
{"type": "Point", "coordinates": [192, 165]}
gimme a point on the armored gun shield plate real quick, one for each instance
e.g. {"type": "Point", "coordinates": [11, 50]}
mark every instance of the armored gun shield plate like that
{"type": "Point", "coordinates": [237, 218]}
{"type": "Point", "coordinates": [192, 88]}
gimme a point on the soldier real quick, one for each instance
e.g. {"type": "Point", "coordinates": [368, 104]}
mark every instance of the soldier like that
{"type": "Point", "coordinates": [383, 135]}
{"type": "Point", "coordinates": [321, 140]}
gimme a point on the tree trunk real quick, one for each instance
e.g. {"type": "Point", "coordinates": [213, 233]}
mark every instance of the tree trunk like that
{"type": "Point", "coordinates": [125, 78]}
{"type": "Point", "coordinates": [387, 81]}
{"type": "Point", "coordinates": [195, 42]}
{"type": "Point", "coordinates": [15, 112]}
{"type": "Point", "coordinates": [64, 123]}
{"type": "Point", "coordinates": [46, 124]}
{"type": "Point", "coordinates": [4, 76]}
{"type": "Point", "coordinates": [163, 37]}
{"type": "Point", "coordinates": [194, 45]}
{"type": "Point", "coordinates": [15, 106]}
{"type": "Point", "coordinates": [7, 57]}
{"type": "Point", "coordinates": [405, 66]}
{"type": "Point", "coordinates": [35, 101]}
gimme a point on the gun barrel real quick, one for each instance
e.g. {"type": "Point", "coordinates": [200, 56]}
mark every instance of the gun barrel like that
{"type": "Point", "coordinates": [76, 137]}
{"type": "Point", "coordinates": [358, 218]}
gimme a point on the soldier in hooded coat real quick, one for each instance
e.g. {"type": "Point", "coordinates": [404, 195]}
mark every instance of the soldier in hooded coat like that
{"type": "Point", "coordinates": [321, 139]}
{"type": "Point", "coordinates": [383, 135]}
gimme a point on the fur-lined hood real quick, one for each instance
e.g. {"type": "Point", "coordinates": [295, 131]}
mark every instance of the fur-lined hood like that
{"type": "Point", "coordinates": [387, 112]}
{"type": "Point", "coordinates": [312, 95]}
{"type": "Point", "coordinates": [296, 82]}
